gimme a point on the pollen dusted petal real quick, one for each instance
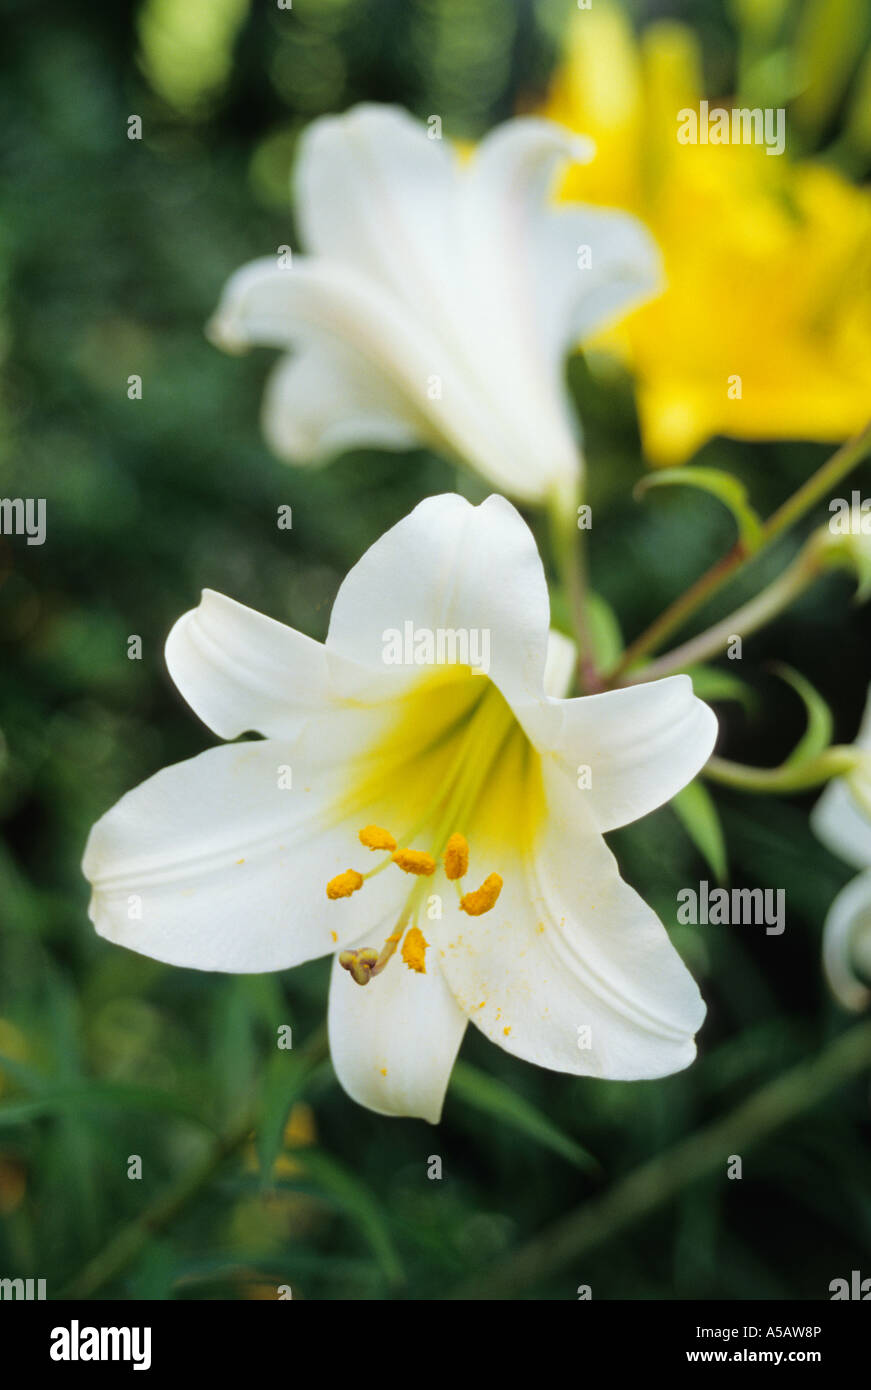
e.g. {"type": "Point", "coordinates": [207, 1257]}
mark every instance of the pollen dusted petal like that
{"type": "Point", "coordinates": [414, 950]}
{"type": "Point", "coordinates": [483, 898]}
{"type": "Point", "coordinates": [373, 837]}
{"type": "Point", "coordinates": [343, 885]}
{"type": "Point", "coordinates": [456, 856]}
{"type": "Point", "coordinates": [415, 861]}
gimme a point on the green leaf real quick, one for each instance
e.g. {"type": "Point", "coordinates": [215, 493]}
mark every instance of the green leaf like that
{"type": "Point", "coordinates": [820, 723]}
{"type": "Point", "coordinates": [857, 125]}
{"type": "Point", "coordinates": [829, 38]}
{"type": "Point", "coordinates": [27, 1078]}
{"type": "Point", "coordinates": [710, 683]}
{"type": "Point", "coordinates": [73, 1100]}
{"type": "Point", "coordinates": [325, 1176]}
{"type": "Point", "coordinates": [697, 813]}
{"type": "Point", "coordinates": [492, 1097]}
{"type": "Point", "coordinates": [605, 634]}
{"type": "Point", "coordinates": [286, 1076]}
{"type": "Point", "coordinates": [234, 1053]}
{"type": "Point", "coordinates": [759, 19]}
{"type": "Point", "coordinates": [724, 486]}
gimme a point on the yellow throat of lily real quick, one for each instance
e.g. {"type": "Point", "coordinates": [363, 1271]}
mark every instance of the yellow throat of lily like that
{"type": "Point", "coordinates": [455, 755]}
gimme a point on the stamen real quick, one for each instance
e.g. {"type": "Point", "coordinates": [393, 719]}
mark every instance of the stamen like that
{"type": "Point", "coordinates": [373, 837]}
{"type": "Point", "coordinates": [414, 950]}
{"type": "Point", "coordinates": [343, 885]}
{"type": "Point", "coordinates": [456, 856]}
{"type": "Point", "coordinates": [483, 898]}
{"type": "Point", "coordinates": [415, 861]}
{"type": "Point", "coordinates": [388, 951]}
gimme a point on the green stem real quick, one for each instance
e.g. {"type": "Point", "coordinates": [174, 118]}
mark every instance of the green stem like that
{"type": "Point", "coordinates": [745, 620]}
{"type": "Point", "coordinates": [819, 484]}
{"type": "Point", "coordinates": [832, 472]}
{"type": "Point", "coordinates": [567, 540]}
{"type": "Point", "coordinates": [664, 1177]}
{"type": "Point", "coordinates": [837, 761]}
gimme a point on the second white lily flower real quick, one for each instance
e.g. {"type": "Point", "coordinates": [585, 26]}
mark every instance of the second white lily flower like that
{"type": "Point", "coordinates": [842, 820]}
{"type": "Point", "coordinates": [438, 298]}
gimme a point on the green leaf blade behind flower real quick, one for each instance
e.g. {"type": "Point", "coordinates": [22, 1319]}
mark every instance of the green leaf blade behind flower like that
{"type": "Point", "coordinates": [324, 1176]}
{"type": "Point", "coordinates": [605, 634]}
{"type": "Point", "coordinates": [820, 723]}
{"type": "Point", "coordinates": [286, 1077]}
{"type": "Point", "coordinates": [712, 684]}
{"type": "Point", "coordinates": [80, 1100]}
{"type": "Point", "coordinates": [697, 813]}
{"type": "Point", "coordinates": [724, 486]}
{"type": "Point", "coordinates": [492, 1097]}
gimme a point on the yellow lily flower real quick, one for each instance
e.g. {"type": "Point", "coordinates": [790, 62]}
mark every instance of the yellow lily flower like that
{"type": "Point", "coordinates": [764, 330]}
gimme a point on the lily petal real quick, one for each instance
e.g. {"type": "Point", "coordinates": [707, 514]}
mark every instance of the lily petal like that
{"type": "Point", "coordinates": [373, 192]}
{"type": "Point", "coordinates": [393, 1042]}
{"type": "Point", "coordinates": [842, 824]}
{"type": "Point", "coordinates": [241, 671]}
{"type": "Point", "coordinates": [213, 864]}
{"type": "Point", "coordinates": [371, 335]}
{"type": "Point", "coordinates": [642, 744]}
{"type": "Point", "coordinates": [847, 933]}
{"type": "Point", "coordinates": [841, 818]}
{"type": "Point", "coordinates": [570, 947]}
{"type": "Point", "coordinates": [535, 289]}
{"type": "Point", "coordinates": [326, 399]}
{"type": "Point", "coordinates": [449, 565]}
{"type": "Point", "coordinates": [559, 671]}
{"type": "Point", "coordinates": [324, 302]}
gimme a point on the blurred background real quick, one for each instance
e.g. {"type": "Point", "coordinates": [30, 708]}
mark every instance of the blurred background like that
{"type": "Point", "coordinates": [112, 256]}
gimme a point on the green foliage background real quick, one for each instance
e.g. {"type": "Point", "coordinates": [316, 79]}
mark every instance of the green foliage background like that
{"type": "Point", "coordinates": [112, 255]}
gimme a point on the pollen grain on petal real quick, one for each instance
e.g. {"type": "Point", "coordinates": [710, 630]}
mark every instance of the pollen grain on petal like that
{"type": "Point", "coordinates": [456, 856]}
{"type": "Point", "coordinates": [483, 898]}
{"type": "Point", "coordinates": [414, 861]}
{"type": "Point", "coordinates": [414, 950]}
{"type": "Point", "coordinates": [343, 885]}
{"type": "Point", "coordinates": [374, 837]}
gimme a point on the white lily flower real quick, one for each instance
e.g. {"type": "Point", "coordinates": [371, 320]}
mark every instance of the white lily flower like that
{"type": "Point", "coordinates": [438, 298]}
{"type": "Point", "coordinates": [847, 944]}
{"type": "Point", "coordinates": [251, 856]}
{"type": "Point", "coordinates": [842, 820]}
{"type": "Point", "coordinates": [842, 815]}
